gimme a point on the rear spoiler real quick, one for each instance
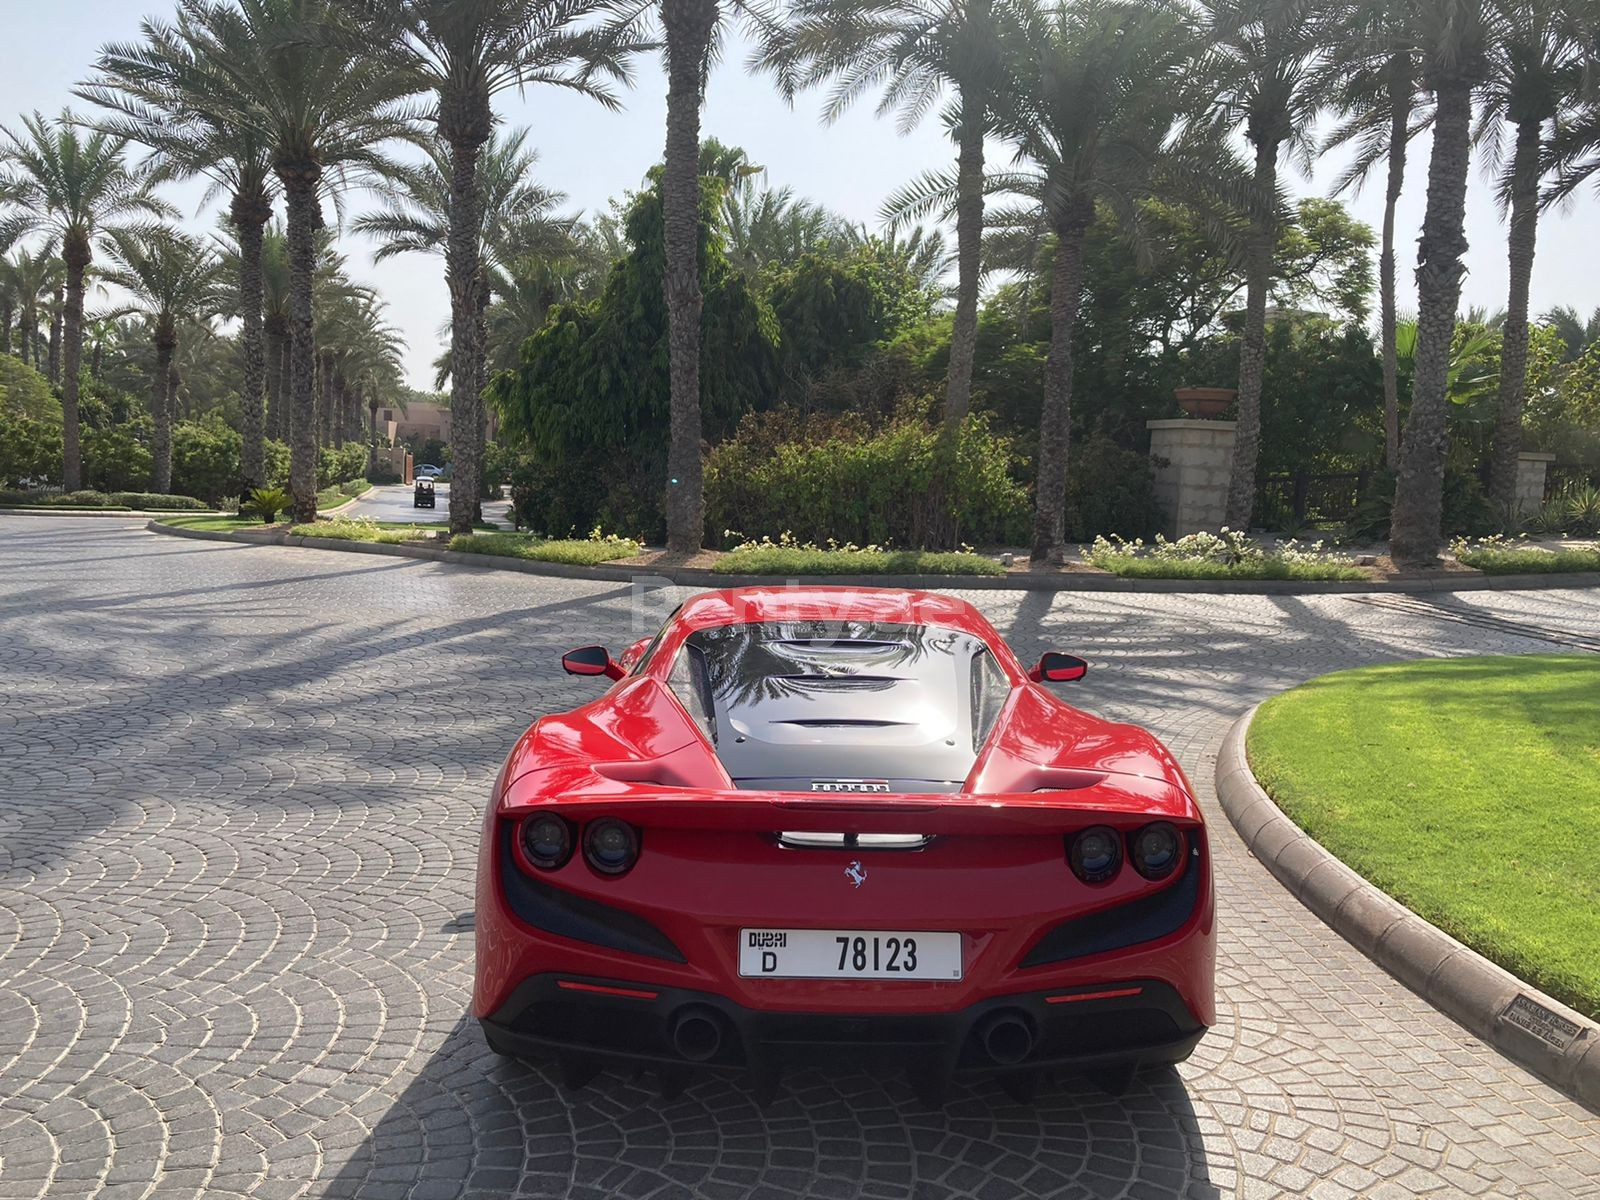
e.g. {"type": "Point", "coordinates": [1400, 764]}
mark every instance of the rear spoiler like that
{"type": "Point", "coordinates": [1119, 800]}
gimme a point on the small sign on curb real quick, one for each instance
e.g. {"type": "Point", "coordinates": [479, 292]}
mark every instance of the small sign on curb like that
{"type": "Point", "coordinates": [1548, 1026]}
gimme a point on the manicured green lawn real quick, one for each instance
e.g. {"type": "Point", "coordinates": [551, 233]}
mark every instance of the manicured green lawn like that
{"type": "Point", "coordinates": [1530, 561]}
{"type": "Point", "coordinates": [1468, 789]}
{"type": "Point", "coordinates": [217, 524]}
{"type": "Point", "coordinates": [577, 551]}
{"type": "Point", "coordinates": [795, 560]}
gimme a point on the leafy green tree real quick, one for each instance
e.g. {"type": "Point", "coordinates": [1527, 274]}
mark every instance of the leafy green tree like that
{"type": "Point", "coordinates": [912, 50]}
{"type": "Point", "coordinates": [26, 393]}
{"type": "Point", "coordinates": [592, 394]}
{"type": "Point", "coordinates": [171, 276]}
{"type": "Point", "coordinates": [71, 183]}
{"type": "Point", "coordinates": [116, 460]}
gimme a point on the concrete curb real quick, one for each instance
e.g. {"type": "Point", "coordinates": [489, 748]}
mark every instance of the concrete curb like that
{"type": "Point", "coordinates": [1486, 999]}
{"type": "Point", "coordinates": [127, 514]}
{"type": "Point", "coordinates": [699, 577]}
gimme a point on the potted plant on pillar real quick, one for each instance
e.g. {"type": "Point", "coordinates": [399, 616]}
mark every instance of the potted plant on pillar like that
{"type": "Point", "coordinates": [1205, 402]}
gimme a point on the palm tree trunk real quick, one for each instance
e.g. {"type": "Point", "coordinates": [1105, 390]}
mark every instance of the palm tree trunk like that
{"type": "Point", "coordinates": [372, 436]}
{"type": "Point", "coordinates": [250, 223]}
{"type": "Point", "coordinates": [27, 329]}
{"type": "Point", "coordinates": [1259, 249]}
{"type": "Point", "coordinates": [77, 255]}
{"type": "Point", "coordinates": [300, 191]}
{"type": "Point", "coordinates": [161, 401]}
{"type": "Point", "coordinates": [55, 338]}
{"type": "Point", "coordinates": [1055, 419]}
{"type": "Point", "coordinates": [688, 25]}
{"type": "Point", "coordinates": [1400, 93]}
{"type": "Point", "coordinates": [969, 245]}
{"type": "Point", "coordinates": [1514, 333]}
{"type": "Point", "coordinates": [275, 345]}
{"type": "Point", "coordinates": [1419, 491]}
{"type": "Point", "coordinates": [465, 123]}
{"type": "Point", "coordinates": [8, 314]}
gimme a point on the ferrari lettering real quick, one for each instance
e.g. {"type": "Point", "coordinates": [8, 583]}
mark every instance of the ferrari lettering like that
{"type": "Point", "coordinates": [849, 785]}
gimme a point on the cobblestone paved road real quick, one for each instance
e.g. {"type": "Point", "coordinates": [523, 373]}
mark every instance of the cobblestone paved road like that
{"type": "Point", "coordinates": [235, 903]}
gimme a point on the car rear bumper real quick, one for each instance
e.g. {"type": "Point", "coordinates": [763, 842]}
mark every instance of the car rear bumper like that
{"type": "Point", "coordinates": [1137, 1021]}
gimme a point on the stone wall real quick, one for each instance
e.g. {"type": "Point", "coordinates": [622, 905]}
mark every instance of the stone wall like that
{"type": "Point", "coordinates": [1531, 467]}
{"type": "Point", "coordinates": [1192, 460]}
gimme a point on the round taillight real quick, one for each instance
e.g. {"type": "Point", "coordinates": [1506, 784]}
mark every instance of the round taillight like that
{"type": "Point", "coordinates": [1095, 854]}
{"type": "Point", "coordinates": [546, 841]}
{"type": "Point", "coordinates": [610, 846]}
{"type": "Point", "coordinates": [1156, 850]}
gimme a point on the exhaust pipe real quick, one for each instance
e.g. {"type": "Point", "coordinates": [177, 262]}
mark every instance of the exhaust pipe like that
{"type": "Point", "coordinates": [697, 1033]}
{"type": "Point", "coordinates": [1006, 1037]}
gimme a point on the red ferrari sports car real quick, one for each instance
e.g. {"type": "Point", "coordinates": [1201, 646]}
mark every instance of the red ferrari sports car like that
{"type": "Point", "coordinates": [808, 820]}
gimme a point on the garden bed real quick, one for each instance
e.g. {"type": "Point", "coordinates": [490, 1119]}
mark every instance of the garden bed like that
{"type": "Point", "coordinates": [1505, 556]}
{"type": "Point", "coordinates": [1223, 556]}
{"type": "Point", "coordinates": [573, 551]}
{"type": "Point", "coordinates": [1466, 789]}
{"type": "Point", "coordinates": [799, 561]}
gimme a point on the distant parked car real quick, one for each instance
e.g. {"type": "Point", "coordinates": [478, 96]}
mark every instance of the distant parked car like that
{"type": "Point", "coordinates": [423, 496]}
{"type": "Point", "coordinates": [428, 471]}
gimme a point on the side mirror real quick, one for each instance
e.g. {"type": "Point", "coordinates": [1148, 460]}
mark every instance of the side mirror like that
{"type": "Point", "coordinates": [591, 660]}
{"type": "Point", "coordinates": [1059, 668]}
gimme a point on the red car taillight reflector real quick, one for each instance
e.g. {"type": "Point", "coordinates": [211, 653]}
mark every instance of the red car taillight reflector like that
{"type": "Point", "coordinates": [1113, 994]}
{"type": "Point", "coordinates": [573, 985]}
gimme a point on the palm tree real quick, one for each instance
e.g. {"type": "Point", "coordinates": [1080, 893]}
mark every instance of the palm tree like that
{"type": "Point", "coordinates": [163, 93]}
{"type": "Point", "coordinates": [465, 52]}
{"type": "Point", "coordinates": [1096, 114]}
{"type": "Point", "coordinates": [172, 277]}
{"type": "Point", "coordinates": [1535, 74]}
{"type": "Point", "coordinates": [1263, 54]}
{"type": "Point", "coordinates": [1576, 334]}
{"type": "Point", "coordinates": [914, 50]}
{"type": "Point", "coordinates": [516, 217]}
{"type": "Point", "coordinates": [275, 328]}
{"type": "Point", "coordinates": [71, 183]}
{"type": "Point", "coordinates": [764, 227]}
{"type": "Point", "coordinates": [1453, 37]}
{"type": "Point", "coordinates": [27, 275]}
{"type": "Point", "coordinates": [297, 77]}
{"type": "Point", "coordinates": [1372, 70]}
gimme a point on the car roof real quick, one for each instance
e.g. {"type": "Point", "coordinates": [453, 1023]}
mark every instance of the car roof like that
{"type": "Point", "coordinates": [900, 606]}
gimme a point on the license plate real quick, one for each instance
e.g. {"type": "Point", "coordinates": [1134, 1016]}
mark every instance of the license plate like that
{"type": "Point", "coordinates": [848, 954]}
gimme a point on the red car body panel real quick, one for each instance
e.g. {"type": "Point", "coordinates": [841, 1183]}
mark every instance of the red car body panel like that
{"type": "Point", "coordinates": [710, 863]}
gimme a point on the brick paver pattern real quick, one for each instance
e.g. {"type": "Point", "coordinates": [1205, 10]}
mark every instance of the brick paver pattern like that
{"type": "Point", "coordinates": [241, 795]}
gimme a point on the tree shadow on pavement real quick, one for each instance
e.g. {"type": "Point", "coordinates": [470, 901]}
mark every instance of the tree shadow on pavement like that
{"type": "Point", "coordinates": [471, 1124]}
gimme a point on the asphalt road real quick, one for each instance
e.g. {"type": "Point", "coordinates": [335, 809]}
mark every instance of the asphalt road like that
{"type": "Point", "coordinates": [240, 791]}
{"type": "Point", "coordinates": [395, 503]}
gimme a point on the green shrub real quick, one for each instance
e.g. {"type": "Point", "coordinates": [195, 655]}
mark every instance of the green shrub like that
{"type": "Point", "coordinates": [276, 460]}
{"type": "Point", "coordinates": [1466, 509]}
{"type": "Point", "coordinates": [30, 450]}
{"type": "Point", "coordinates": [773, 559]}
{"type": "Point", "coordinates": [596, 548]}
{"type": "Point", "coordinates": [382, 475]}
{"type": "Point", "coordinates": [357, 529]}
{"type": "Point", "coordinates": [340, 464]}
{"type": "Point", "coordinates": [1110, 490]}
{"type": "Point", "coordinates": [157, 502]}
{"type": "Point", "coordinates": [355, 487]}
{"type": "Point", "coordinates": [26, 393]}
{"type": "Point", "coordinates": [115, 460]}
{"type": "Point", "coordinates": [582, 491]}
{"type": "Point", "coordinates": [824, 478]}
{"type": "Point", "coordinates": [1504, 556]}
{"type": "Point", "coordinates": [1228, 555]}
{"type": "Point", "coordinates": [205, 458]}
{"type": "Point", "coordinates": [267, 503]}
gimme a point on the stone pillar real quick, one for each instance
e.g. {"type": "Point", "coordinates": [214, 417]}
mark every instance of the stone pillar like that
{"type": "Point", "coordinates": [1531, 466]}
{"type": "Point", "coordinates": [1191, 459]}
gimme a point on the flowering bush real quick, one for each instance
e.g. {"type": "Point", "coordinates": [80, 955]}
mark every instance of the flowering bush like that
{"type": "Point", "coordinates": [791, 556]}
{"type": "Point", "coordinates": [1227, 554]}
{"type": "Point", "coordinates": [1502, 555]}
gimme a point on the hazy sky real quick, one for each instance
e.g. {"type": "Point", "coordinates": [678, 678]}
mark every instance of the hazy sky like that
{"type": "Point", "coordinates": [593, 155]}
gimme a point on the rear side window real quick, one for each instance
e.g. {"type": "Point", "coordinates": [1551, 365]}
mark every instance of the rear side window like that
{"type": "Point", "coordinates": [990, 687]}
